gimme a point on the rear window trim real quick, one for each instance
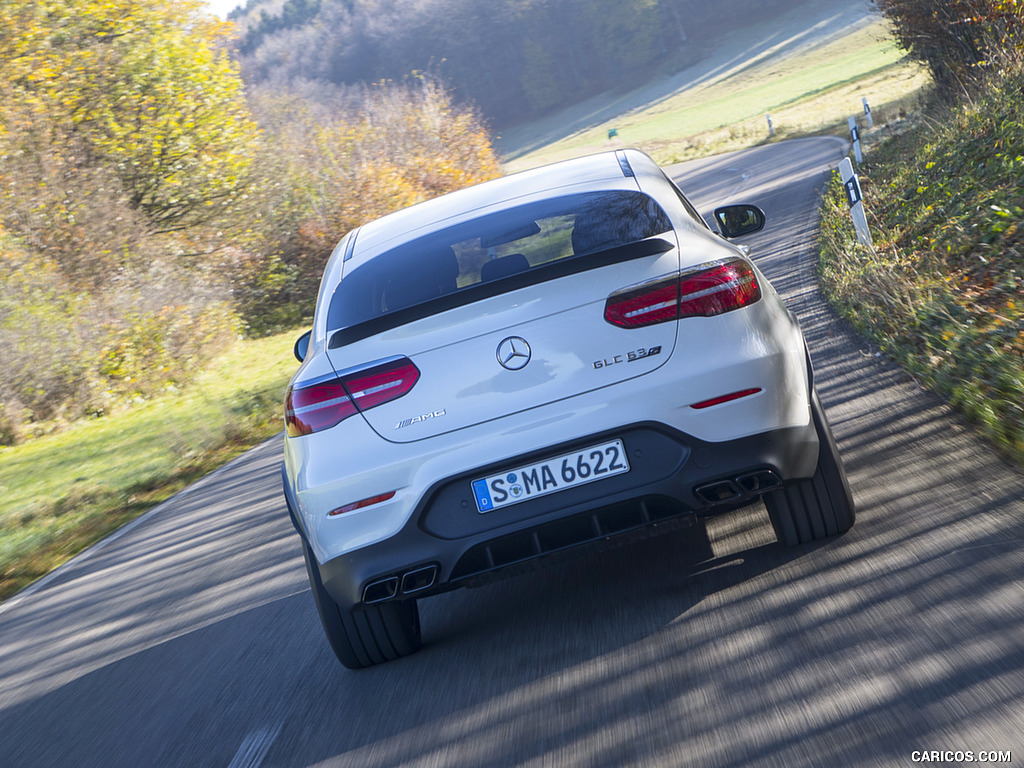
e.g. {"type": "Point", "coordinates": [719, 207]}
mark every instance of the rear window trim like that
{"type": "Point", "coordinates": [640, 249]}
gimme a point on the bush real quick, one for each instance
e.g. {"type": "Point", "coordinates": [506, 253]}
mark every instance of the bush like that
{"type": "Point", "coordinates": [942, 292]}
{"type": "Point", "coordinates": [956, 38]}
{"type": "Point", "coordinates": [45, 337]}
{"type": "Point", "coordinates": [404, 143]}
{"type": "Point", "coordinates": [68, 353]}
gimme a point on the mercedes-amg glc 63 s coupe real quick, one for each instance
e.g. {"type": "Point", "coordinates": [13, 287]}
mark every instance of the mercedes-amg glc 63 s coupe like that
{"type": "Point", "coordinates": [555, 360]}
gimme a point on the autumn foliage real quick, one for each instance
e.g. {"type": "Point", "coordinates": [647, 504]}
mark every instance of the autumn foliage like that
{"type": "Point", "coordinates": [956, 39]}
{"type": "Point", "coordinates": [123, 132]}
{"type": "Point", "coordinates": [147, 218]}
{"type": "Point", "coordinates": [394, 145]}
{"type": "Point", "coordinates": [144, 89]}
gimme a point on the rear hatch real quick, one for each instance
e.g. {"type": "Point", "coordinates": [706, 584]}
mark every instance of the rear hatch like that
{"type": "Point", "coordinates": [505, 313]}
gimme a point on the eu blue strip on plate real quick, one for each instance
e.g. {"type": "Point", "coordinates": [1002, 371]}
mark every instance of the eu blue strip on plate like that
{"type": "Point", "coordinates": [483, 496]}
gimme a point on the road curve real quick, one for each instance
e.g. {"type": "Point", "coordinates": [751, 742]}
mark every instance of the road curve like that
{"type": "Point", "coordinates": [191, 639]}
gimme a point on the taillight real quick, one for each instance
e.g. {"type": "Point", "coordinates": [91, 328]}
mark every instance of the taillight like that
{"type": "Point", "coordinates": [711, 290]}
{"type": "Point", "coordinates": [646, 305]}
{"type": "Point", "coordinates": [310, 409]}
{"type": "Point", "coordinates": [722, 288]}
{"type": "Point", "coordinates": [324, 405]}
{"type": "Point", "coordinates": [381, 384]}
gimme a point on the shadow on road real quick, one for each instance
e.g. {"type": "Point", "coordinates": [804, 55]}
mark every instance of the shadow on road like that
{"type": "Point", "coordinates": [705, 647]}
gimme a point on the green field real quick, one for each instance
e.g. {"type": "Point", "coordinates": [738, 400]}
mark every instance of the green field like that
{"type": "Point", "coordinates": [810, 88]}
{"type": "Point", "coordinates": [61, 492]}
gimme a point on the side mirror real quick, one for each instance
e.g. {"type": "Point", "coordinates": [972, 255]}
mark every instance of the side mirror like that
{"type": "Point", "coordinates": [739, 220]}
{"type": "Point", "coordinates": [301, 347]}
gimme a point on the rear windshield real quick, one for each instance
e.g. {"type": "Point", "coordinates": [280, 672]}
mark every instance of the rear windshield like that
{"type": "Point", "coordinates": [508, 249]}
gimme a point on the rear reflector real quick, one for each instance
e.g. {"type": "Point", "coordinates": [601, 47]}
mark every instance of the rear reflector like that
{"type": "Point", "coordinates": [326, 404]}
{"type": "Point", "coordinates": [711, 290]}
{"type": "Point", "coordinates": [360, 504]}
{"type": "Point", "coordinates": [725, 398]}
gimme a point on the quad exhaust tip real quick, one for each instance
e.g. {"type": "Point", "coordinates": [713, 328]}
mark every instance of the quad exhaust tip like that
{"type": "Point", "coordinates": [418, 580]}
{"type": "Point", "coordinates": [379, 591]}
{"type": "Point", "coordinates": [759, 482]}
{"type": "Point", "coordinates": [718, 493]}
{"type": "Point", "coordinates": [738, 488]}
{"type": "Point", "coordinates": [409, 583]}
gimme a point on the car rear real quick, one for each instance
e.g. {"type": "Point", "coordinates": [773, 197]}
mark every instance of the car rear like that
{"type": "Point", "coordinates": [622, 330]}
{"type": "Point", "coordinates": [569, 361]}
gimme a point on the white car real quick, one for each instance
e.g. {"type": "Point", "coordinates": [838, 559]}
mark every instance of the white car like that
{"type": "Point", "coordinates": [559, 358]}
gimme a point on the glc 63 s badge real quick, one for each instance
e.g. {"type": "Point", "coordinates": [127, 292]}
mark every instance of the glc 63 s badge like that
{"type": "Point", "coordinates": [629, 357]}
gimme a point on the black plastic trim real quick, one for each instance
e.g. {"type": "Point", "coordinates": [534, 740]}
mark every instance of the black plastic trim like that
{"type": "Point", "coordinates": [627, 169]}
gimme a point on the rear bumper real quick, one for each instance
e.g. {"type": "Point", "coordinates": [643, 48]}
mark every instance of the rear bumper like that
{"type": "Point", "coordinates": [674, 477]}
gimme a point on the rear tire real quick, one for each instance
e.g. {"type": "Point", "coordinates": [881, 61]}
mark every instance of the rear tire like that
{"type": "Point", "coordinates": [808, 510]}
{"type": "Point", "coordinates": [365, 636]}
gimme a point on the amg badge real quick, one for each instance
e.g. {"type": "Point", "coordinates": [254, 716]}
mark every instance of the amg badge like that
{"type": "Point", "coordinates": [418, 419]}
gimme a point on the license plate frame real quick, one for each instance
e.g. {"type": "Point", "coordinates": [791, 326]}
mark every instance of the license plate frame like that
{"type": "Point", "coordinates": [542, 478]}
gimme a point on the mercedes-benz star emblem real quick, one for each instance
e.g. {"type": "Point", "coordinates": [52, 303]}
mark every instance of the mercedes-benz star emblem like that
{"type": "Point", "coordinates": [514, 353]}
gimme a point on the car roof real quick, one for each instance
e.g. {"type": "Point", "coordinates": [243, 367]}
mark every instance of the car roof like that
{"type": "Point", "coordinates": [607, 170]}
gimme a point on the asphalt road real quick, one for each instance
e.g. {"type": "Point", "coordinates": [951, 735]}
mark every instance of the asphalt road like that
{"type": "Point", "coordinates": [191, 639]}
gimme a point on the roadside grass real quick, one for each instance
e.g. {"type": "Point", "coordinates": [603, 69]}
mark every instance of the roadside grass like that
{"type": "Point", "coordinates": [807, 91]}
{"type": "Point", "coordinates": [62, 492]}
{"type": "Point", "coordinates": [943, 290]}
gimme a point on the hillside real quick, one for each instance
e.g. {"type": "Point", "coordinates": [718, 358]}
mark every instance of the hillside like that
{"type": "Point", "coordinates": [807, 67]}
{"type": "Point", "coordinates": [514, 59]}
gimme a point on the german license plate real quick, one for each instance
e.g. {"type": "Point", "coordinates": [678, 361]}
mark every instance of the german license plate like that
{"type": "Point", "coordinates": [551, 476]}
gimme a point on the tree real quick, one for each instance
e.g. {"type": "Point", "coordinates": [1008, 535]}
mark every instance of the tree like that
{"type": "Point", "coordinates": [514, 59]}
{"type": "Point", "coordinates": [402, 144]}
{"type": "Point", "coordinates": [149, 89]}
{"type": "Point", "coordinates": [953, 38]}
{"type": "Point", "coordinates": [123, 133]}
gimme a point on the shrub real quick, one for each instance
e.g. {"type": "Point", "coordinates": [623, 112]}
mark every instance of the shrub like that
{"type": "Point", "coordinates": [954, 38]}
{"type": "Point", "coordinates": [68, 352]}
{"type": "Point", "coordinates": [46, 333]}
{"type": "Point", "coordinates": [405, 143]}
{"type": "Point", "coordinates": [942, 292]}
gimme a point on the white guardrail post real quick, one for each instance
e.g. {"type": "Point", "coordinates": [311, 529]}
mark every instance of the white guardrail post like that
{"type": "Point", "coordinates": [855, 137]}
{"type": "Point", "coordinates": [867, 113]}
{"type": "Point", "coordinates": [856, 200]}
